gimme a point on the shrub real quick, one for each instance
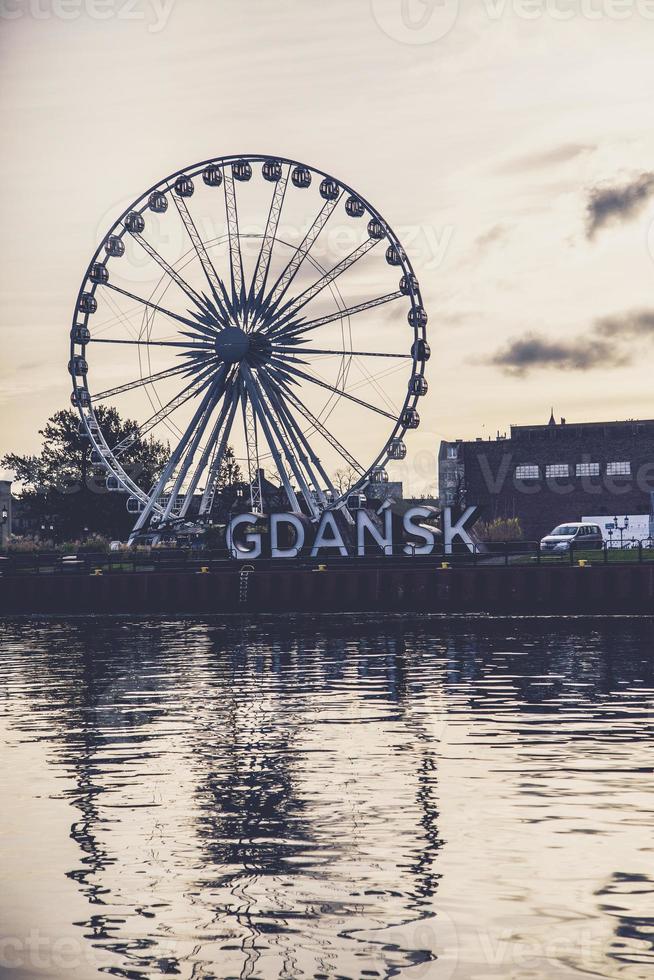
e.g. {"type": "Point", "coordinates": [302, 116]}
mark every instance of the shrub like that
{"type": "Point", "coordinates": [94, 542]}
{"type": "Point", "coordinates": [501, 529]}
{"type": "Point", "coordinates": [20, 546]}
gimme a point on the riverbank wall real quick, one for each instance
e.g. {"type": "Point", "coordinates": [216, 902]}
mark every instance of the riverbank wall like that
{"type": "Point", "coordinates": [234, 588]}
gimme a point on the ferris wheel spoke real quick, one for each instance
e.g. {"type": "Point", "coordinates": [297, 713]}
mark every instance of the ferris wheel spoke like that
{"type": "Point", "coordinates": [287, 313]}
{"type": "Point", "coordinates": [307, 454]}
{"type": "Point", "coordinates": [371, 379]}
{"type": "Point", "coordinates": [208, 450]}
{"type": "Point", "coordinates": [202, 333]}
{"type": "Point", "coordinates": [251, 435]}
{"type": "Point", "coordinates": [320, 427]}
{"type": "Point", "coordinates": [263, 262]}
{"type": "Point", "coordinates": [174, 460]}
{"type": "Point", "coordinates": [338, 391]}
{"type": "Point", "coordinates": [200, 249]}
{"type": "Point", "coordinates": [294, 453]}
{"type": "Point", "coordinates": [293, 331]}
{"type": "Point", "coordinates": [310, 351]}
{"type": "Point", "coordinates": [206, 503]}
{"type": "Point", "coordinates": [195, 435]}
{"type": "Point", "coordinates": [288, 275]}
{"type": "Point", "coordinates": [196, 386]}
{"type": "Point", "coordinates": [121, 317]}
{"type": "Point", "coordinates": [139, 382]}
{"type": "Point", "coordinates": [150, 343]}
{"type": "Point", "coordinates": [150, 305]}
{"type": "Point", "coordinates": [174, 275]}
{"type": "Point", "coordinates": [253, 395]}
{"type": "Point", "coordinates": [280, 371]}
{"type": "Point", "coordinates": [235, 257]}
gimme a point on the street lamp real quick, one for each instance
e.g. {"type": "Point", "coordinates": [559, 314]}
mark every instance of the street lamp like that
{"type": "Point", "coordinates": [621, 527]}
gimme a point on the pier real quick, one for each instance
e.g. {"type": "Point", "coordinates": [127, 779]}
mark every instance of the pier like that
{"type": "Point", "coordinates": [237, 587]}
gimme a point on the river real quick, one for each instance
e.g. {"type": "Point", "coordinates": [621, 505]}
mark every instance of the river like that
{"type": "Point", "coordinates": [327, 797]}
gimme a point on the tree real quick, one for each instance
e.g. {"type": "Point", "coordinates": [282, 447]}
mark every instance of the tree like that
{"type": "Point", "coordinates": [230, 488]}
{"type": "Point", "coordinates": [62, 487]}
{"type": "Point", "coordinates": [229, 473]}
{"type": "Point", "coordinates": [344, 479]}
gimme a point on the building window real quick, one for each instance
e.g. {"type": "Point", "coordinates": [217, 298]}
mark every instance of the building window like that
{"type": "Point", "coordinates": [526, 472]}
{"type": "Point", "coordinates": [557, 469]}
{"type": "Point", "coordinates": [452, 452]}
{"type": "Point", "coordinates": [618, 469]}
{"type": "Point", "coordinates": [587, 469]}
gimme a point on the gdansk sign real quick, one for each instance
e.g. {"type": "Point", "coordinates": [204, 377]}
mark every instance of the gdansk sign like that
{"type": "Point", "coordinates": [289, 535]}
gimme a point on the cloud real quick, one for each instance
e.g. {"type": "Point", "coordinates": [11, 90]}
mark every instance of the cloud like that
{"type": "Point", "coordinates": [548, 158]}
{"type": "Point", "coordinates": [603, 344]}
{"type": "Point", "coordinates": [632, 324]}
{"type": "Point", "coordinates": [607, 205]}
{"type": "Point", "coordinates": [493, 235]}
{"type": "Point", "coordinates": [582, 353]}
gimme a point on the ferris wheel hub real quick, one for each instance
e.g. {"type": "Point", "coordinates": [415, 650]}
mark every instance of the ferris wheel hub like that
{"type": "Point", "coordinates": [232, 344]}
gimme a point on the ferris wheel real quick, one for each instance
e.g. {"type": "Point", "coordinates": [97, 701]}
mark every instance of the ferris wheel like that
{"type": "Point", "coordinates": [257, 306]}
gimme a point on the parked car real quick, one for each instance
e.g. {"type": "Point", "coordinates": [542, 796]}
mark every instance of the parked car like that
{"type": "Point", "coordinates": [583, 536]}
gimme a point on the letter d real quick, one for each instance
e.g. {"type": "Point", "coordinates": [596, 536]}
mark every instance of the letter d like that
{"type": "Point", "coordinates": [298, 527]}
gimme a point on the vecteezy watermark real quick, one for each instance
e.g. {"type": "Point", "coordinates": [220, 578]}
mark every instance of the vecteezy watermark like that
{"type": "Point", "coordinates": [520, 947]}
{"type": "Point", "coordinates": [502, 476]}
{"type": "Point", "coordinates": [427, 246]}
{"type": "Point", "coordinates": [40, 953]}
{"type": "Point", "coordinates": [415, 21]}
{"type": "Point", "coordinates": [563, 10]}
{"type": "Point", "coordinates": [95, 480]}
{"type": "Point", "coordinates": [427, 21]}
{"type": "Point", "coordinates": [156, 13]}
{"type": "Point", "coordinates": [436, 938]}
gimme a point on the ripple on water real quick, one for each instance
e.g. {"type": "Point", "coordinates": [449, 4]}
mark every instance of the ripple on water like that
{"type": "Point", "coordinates": [330, 797]}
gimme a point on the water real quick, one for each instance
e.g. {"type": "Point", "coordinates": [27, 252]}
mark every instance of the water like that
{"type": "Point", "coordinates": [327, 797]}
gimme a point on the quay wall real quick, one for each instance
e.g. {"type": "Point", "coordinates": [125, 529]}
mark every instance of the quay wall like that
{"type": "Point", "coordinates": [548, 589]}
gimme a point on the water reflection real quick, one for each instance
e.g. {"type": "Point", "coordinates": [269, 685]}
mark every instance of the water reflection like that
{"type": "Point", "coordinates": [347, 796]}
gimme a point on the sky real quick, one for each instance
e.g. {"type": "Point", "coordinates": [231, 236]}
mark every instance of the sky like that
{"type": "Point", "coordinates": [508, 143]}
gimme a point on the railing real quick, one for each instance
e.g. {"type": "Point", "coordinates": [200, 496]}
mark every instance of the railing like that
{"type": "Point", "coordinates": [194, 560]}
{"type": "Point", "coordinates": [531, 552]}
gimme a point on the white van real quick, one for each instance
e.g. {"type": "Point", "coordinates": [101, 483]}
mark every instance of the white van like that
{"type": "Point", "coordinates": [578, 533]}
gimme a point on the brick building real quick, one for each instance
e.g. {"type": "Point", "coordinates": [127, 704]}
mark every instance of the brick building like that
{"type": "Point", "coordinates": [547, 474]}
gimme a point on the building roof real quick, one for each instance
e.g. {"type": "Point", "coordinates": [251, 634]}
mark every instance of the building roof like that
{"type": "Point", "coordinates": [517, 430]}
{"type": "Point", "coordinates": [549, 429]}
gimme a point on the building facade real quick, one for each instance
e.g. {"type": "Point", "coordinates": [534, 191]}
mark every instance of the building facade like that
{"type": "Point", "coordinates": [547, 474]}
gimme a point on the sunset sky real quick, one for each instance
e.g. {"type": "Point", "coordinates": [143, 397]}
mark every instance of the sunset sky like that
{"type": "Point", "coordinates": [508, 143]}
